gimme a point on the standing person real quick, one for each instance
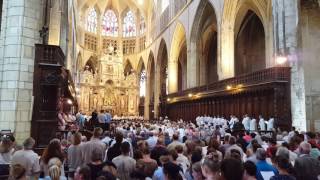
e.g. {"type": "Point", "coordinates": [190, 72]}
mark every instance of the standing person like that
{"type": "Point", "coordinates": [6, 150]}
{"type": "Point", "coordinates": [211, 169]}
{"type": "Point", "coordinates": [284, 167]}
{"type": "Point", "coordinates": [94, 120]}
{"type": "Point", "coordinates": [95, 143]}
{"type": "Point", "coordinates": [52, 151]}
{"type": "Point", "coordinates": [305, 166]}
{"type": "Point", "coordinates": [115, 149]}
{"type": "Point", "coordinates": [125, 164]}
{"type": "Point", "coordinates": [262, 123]}
{"type": "Point", "coordinates": [270, 124]}
{"type": "Point", "coordinates": [102, 119]}
{"type": "Point", "coordinates": [263, 166]}
{"type": "Point", "coordinates": [28, 159]}
{"type": "Point", "coordinates": [108, 120]}
{"type": "Point", "coordinates": [80, 119]}
{"type": "Point", "coordinates": [246, 122]}
{"type": "Point", "coordinates": [253, 125]}
{"type": "Point", "coordinates": [74, 152]}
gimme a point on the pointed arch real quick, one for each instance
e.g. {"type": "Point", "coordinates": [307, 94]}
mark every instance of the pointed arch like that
{"type": "Point", "coordinates": [151, 84]}
{"type": "Point", "coordinates": [79, 63]}
{"type": "Point", "coordinates": [178, 60]}
{"type": "Point", "coordinates": [91, 65]}
{"type": "Point", "coordinates": [141, 65]}
{"type": "Point", "coordinates": [204, 40]}
{"type": "Point", "coordinates": [162, 68]}
{"type": "Point", "coordinates": [250, 44]}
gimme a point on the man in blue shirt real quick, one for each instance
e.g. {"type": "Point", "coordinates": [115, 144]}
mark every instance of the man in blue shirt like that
{"type": "Point", "coordinates": [264, 169]}
{"type": "Point", "coordinates": [108, 120]}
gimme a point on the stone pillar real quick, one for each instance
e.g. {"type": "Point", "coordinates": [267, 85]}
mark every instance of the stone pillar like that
{"type": "Point", "coordinates": [173, 76]}
{"type": "Point", "coordinates": [157, 91]}
{"type": "Point", "coordinates": [285, 16]}
{"type": "Point", "coordinates": [55, 22]}
{"type": "Point", "coordinates": [192, 66]}
{"type": "Point", "coordinates": [226, 62]}
{"type": "Point", "coordinates": [147, 99]}
{"type": "Point", "coordinates": [21, 22]}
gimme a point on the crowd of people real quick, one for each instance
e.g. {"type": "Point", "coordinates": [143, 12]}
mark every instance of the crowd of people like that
{"type": "Point", "coordinates": [209, 149]}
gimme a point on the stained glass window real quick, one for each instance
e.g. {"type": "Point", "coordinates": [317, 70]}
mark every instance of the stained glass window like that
{"type": "Point", "coordinates": [110, 24]}
{"type": "Point", "coordinates": [129, 25]}
{"type": "Point", "coordinates": [143, 78]}
{"type": "Point", "coordinates": [142, 25]}
{"type": "Point", "coordinates": [92, 21]}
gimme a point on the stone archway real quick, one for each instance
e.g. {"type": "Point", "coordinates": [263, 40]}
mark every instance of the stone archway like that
{"type": "Point", "coordinates": [161, 79]}
{"type": "Point", "coordinates": [250, 45]}
{"type": "Point", "coordinates": [150, 91]}
{"type": "Point", "coordinates": [233, 14]}
{"type": "Point", "coordinates": [204, 45]}
{"type": "Point", "coordinates": [178, 60]}
{"type": "Point", "coordinates": [142, 78]}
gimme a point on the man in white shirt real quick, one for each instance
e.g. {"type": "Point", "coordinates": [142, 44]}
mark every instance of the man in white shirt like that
{"type": "Point", "coordinates": [95, 143]}
{"type": "Point", "coordinates": [182, 160]}
{"type": "Point", "coordinates": [28, 159]}
{"type": "Point", "coordinates": [152, 140]}
{"type": "Point", "coordinates": [124, 163]}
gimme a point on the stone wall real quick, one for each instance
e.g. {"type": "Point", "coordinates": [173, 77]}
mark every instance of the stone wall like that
{"type": "Point", "coordinates": [310, 53]}
{"type": "Point", "coordinates": [21, 22]}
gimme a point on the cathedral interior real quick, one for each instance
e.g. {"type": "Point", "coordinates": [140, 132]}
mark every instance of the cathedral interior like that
{"type": "Point", "coordinates": [157, 58]}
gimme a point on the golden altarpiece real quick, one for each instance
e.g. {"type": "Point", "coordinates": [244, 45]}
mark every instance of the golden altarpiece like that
{"type": "Point", "coordinates": [105, 85]}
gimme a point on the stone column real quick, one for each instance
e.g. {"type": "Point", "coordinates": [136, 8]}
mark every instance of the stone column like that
{"type": "Point", "coordinates": [55, 22]}
{"type": "Point", "coordinates": [21, 22]}
{"type": "Point", "coordinates": [147, 97]}
{"type": "Point", "coordinates": [173, 76]}
{"type": "Point", "coordinates": [285, 17]}
{"type": "Point", "coordinates": [192, 66]}
{"type": "Point", "coordinates": [226, 62]}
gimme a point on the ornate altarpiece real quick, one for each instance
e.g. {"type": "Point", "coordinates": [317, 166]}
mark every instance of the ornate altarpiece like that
{"type": "Point", "coordinates": [107, 87]}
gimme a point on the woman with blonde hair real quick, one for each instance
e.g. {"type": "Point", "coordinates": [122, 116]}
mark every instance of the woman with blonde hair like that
{"type": "Point", "coordinates": [54, 170]}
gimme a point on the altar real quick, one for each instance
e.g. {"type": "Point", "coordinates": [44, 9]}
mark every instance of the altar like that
{"type": "Point", "coordinates": [104, 86]}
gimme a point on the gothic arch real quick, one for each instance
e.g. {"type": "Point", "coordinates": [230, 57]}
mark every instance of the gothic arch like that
{"type": "Point", "coordinates": [141, 65]}
{"type": "Point", "coordinates": [178, 60]}
{"type": "Point", "coordinates": [204, 43]}
{"type": "Point", "coordinates": [150, 92]}
{"type": "Point", "coordinates": [250, 45]}
{"type": "Point", "coordinates": [91, 64]}
{"type": "Point", "coordinates": [79, 63]}
{"type": "Point", "coordinates": [162, 68]}
{"type": "Point", "coordinates": [233, 13]}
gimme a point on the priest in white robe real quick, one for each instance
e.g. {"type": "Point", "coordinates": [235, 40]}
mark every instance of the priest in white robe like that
{"type": "Point", "coordinates": [253, 125]}
{"type": "Point", "coordinates": [246, 122]}
{"type": "Point", "coordinates": [262, 123]}
{"type": "Point", "coordinates": [270, 124]}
